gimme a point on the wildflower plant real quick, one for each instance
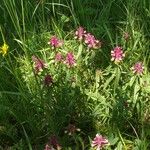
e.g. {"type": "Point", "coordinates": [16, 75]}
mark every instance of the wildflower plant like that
{"type": "Point", "coordinates": [80, 33]}
{"type": "Point", "coordinates": [71, 82]}
{"type": "Point", "coordinates": [91, 41]}
{"type": "Point", "coordinates": [70, 60]}
{"type": "Point", "coordinates": [39, 64]}
{"type": "Point", "coordinates": [54, 42]}
{"type": "Point", "coordinates": [53, 144]}
{"type": "Point", "coordinates": [71, 87]}
{"type": "Point", "coordinates": [138, 68]}
{"type": "Point", "coordinates": [58, 57]}
{"type": "Point", "coordinates": [4, 49]}
{"type": "Point", "coordinates": [117, 54]}
{"type": "Point", "coordinates": [48, 80]}
{"type": "Point", "coordinates": [99, 142]}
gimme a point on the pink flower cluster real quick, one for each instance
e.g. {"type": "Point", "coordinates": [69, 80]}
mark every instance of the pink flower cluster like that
{"type": "Point", "coordinates": [88, 38]}
{"type": "Point", "coordinates": [55, 42]}
{"type": "Point", "coordinates": [99, 142]}
{"type": "Point", "coordinates": [117, 54]}
{"type": "Point", "coordinates": [48, 80]}
{"type": "Point", "coordinates": [80, 33]}
{"type": "Point", "coordinates": [91, 41]}
{"type": "Point", "coordinates": [53, 144]}
{"type": "Point", "coordinates": [47, 147]}
{"type": "Point", "coordinates": [138, 68]}
{"type": "Point", "coordinates": [58, 57]}
{"type": "Point", "coordinates": [39, 64]}
{"type": "Point", "coordinates": [69, 59]}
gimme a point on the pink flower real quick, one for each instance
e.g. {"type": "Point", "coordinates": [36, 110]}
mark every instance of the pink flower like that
{"type": "Point", "coordinates": [54, 143]}
{"type": "Point", "coordinates": [117, 54]}
{"type": "Point", "coordinates": [39, 64]}
{"type": "Point", "coordinates": [99, 142]}
{"type": "Point", "coordinates": [70, 60]}
{"type": "Point", "coordinates": [91, 41]}
{"type": "Point", "coordinates": [138, 68]}
{"type": "Point", "coordinates": [55, 42]}
{"type": "Point", "coordinates": [48, 80]}
{"type": "Point", "coordinates": [79, 34]}
{"type": "Point", "coordinates": [47, 147]}
{"type": "Point", "coordinates": [58, 57]}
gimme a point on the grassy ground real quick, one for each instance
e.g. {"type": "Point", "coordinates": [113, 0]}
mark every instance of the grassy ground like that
{"type": "Point", "coordinates": [48, 100]}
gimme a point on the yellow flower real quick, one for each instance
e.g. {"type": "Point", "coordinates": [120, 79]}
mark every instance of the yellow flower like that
{"type": "Point", "coordinates": [4, 49]}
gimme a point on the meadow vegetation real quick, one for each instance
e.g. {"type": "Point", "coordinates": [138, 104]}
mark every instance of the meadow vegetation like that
{"type": "Point", "coordinates": [74, 75]}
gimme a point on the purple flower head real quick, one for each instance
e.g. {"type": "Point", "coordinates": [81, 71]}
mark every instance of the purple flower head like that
{"type": "Point", "coordinates": [55, 42]}
{"type": "Point", "coordinates": [54, 143]}
{"type": "Point", "coordinates": [117, 54]}
{"type": "Point", "coordinates": [91, 41]}
{"type": "Point", "coordinates": [70, 60]}
{"type": "Point", "coordinates": [138, 68]}
{"type": "Point", "coordinates": [79, 34]}
{"type": "Point", "coordinates": [58, 57]}
{"type": "Point", "coordinates": [99, 142]}
{"type": "Point", "coordinates": [48, 80]}
{"type": "Point", "coordinates": [38, 64]}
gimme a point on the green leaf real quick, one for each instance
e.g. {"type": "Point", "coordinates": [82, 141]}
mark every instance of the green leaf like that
{"type": "Point", "coordinates": [132, 80]}
{"type": "Point", "coordinates": [108, 81]}
{"type": "Point", "coordinates": [27, 138]}
{"type": "Point", "coordinates": [119, 146]}
{"type": "Point", "coordinates": [65, 18]}
{"type": "Point", "coordinates": [79, 51]}
{"type": "Point", "coordinates": [136, 89]}
{"type": "Point", "coordinates": [113, 141]}
{"type": "Point", "coordinates": [117, 74]}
